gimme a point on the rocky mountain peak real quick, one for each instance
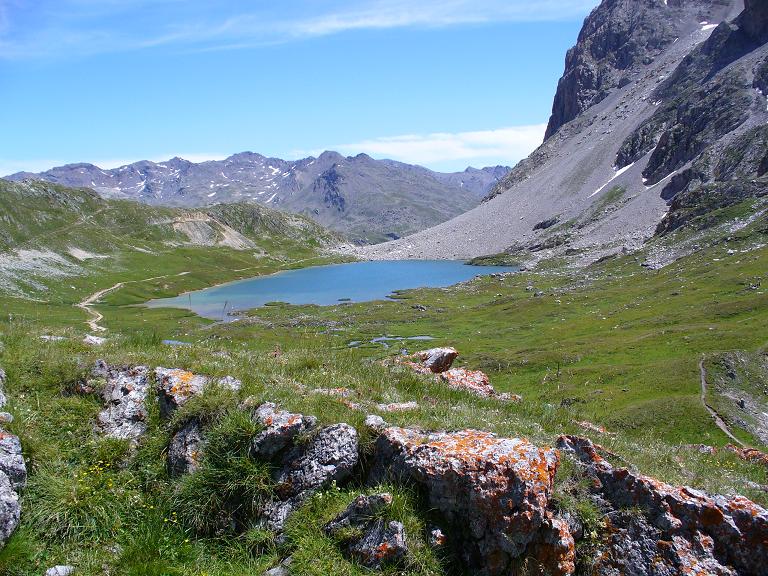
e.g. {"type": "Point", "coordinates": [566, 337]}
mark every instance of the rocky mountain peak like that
{"type": "Point", "coordinates": [619, 37]}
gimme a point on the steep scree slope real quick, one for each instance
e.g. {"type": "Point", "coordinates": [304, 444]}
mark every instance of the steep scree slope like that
{"type": "Point", "coordinates": [661, 111]}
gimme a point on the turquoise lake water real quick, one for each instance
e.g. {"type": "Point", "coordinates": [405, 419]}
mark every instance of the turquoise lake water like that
{"type": "Point", "coordinates": [325, 285]}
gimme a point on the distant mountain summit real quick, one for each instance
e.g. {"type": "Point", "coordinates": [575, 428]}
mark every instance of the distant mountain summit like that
{"type": "Point", "coordinates": [368, 200]}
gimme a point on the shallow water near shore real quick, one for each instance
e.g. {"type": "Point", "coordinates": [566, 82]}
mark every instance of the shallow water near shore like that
{"type": "Point", "coordinates": [326, 285]}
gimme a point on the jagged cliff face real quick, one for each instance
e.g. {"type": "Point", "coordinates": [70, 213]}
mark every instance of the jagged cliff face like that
{"type": "Point", "coordinates": [616, 36]}
{"type": "Point", "coordinates": [661, 104]}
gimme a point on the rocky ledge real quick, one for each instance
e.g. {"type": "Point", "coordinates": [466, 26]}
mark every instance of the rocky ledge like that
{"type": "Point", "coordinates": [673, 529]}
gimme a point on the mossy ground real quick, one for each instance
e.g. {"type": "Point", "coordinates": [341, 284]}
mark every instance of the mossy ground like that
{"type": "Point", "coordinates": [617, 345]}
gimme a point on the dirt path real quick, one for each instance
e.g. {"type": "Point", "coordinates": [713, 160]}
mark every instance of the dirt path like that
{"type": "Point", "coordinates": [718, 420]}
{"type": "Point", "coordinates": [95, 316]}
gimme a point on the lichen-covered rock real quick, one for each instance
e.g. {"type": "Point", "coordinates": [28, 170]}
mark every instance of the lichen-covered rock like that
{"type": "Point", "coordinates": [375, 423]}
{"type": "Point", "coordinates": [12, 461]}
{"type": "Point", "coordinates": [177, 386]}
{"type": "Point", "coordinates": [554, 549]}
{"type": "Point", "coordinates": [329, 456]}
{"type": "Point", "coordinates": [125, 395]}
{"type": "Point", "coordinates": [186, 449]}
{"type": "Point", "coordinates": [749, 454]}
{"type": "Point", "coordinates": [684, 531]}
{"type": "Point", "coordinates": [280, 429]}
{"type": "Point", "coordinates": [92, 340]}
{"type": "Point", "coordinates": [10, 509]}
{"type": "Point", "coordinates": [3, 378]}
{"type": "Point", "coordinates": [375, 543]}
{"type": "Point", "coordinates": [398, 406]}
{"type": "Point", "coordinates": [473, 381]}
{"type": "Point", "coordinates": [60, 571]}
{"type": "Point", "coordinates": [493, 490]}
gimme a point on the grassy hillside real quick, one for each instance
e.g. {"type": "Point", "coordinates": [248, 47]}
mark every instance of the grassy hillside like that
{"type": "Point", "coordinates": [58, 245]}
{"type": "Point", "coordinates": [618, 345]}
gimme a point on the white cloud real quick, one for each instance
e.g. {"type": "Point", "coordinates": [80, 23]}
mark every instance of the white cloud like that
{"type": "Point", "coordinates": [449, 151]}
{"type": "Point", "coordinates": [86, 27]}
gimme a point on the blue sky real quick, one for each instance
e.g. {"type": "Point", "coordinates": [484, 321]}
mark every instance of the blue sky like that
{"type": "Point", "coordinates": [445, 84]}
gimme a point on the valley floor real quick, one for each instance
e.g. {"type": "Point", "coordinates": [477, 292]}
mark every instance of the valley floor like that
{"type": "Point", "coordinates": [612, 352]}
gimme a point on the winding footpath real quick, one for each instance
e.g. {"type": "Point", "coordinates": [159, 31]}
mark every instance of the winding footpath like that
{"type": "Point", "coordinates": [95, 316]}
{"type": "Point", "coordinates": [718, 420]}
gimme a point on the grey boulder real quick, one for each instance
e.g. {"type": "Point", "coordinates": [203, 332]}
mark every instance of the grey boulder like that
{"type": "Point", "coordinates": [280, 429]}
{"type": "Point", "coordinates": [186, 449]}
{"type": "Point", "coordinates": [12, 461]}
{"type": "Point", "coordinates": [10, 509]}
{"type": "Point", "coordinates": [125, 394]}
{"type": "Point", "coordinates": [376, 542]}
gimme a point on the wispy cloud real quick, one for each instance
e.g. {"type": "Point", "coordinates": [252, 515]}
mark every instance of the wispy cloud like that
{"type": "Point", "coordinates": [79, 27]}
{"type": "Point", "coordinates": [446, 150]}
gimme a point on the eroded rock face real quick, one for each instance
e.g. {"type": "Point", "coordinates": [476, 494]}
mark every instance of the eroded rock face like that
{"type": "Point", "coordinates": [12, 461]}
{"type": "Point", "coordinates": [493, 490]}
{"type": "Point", "coordinates": [680, 531]}
{"type": "Point", "coordinates": [177, 386]}
{"type": "Point", "coordinates": [125, 395]}
{"type": "Point", "coordinates": [186, 449]}
{"type": "Point", "coordinates": [377, 543]}
{"type": "Point", "coordinates": [280, 429]}
{"type": "Point", "coordinates": [10, 509]}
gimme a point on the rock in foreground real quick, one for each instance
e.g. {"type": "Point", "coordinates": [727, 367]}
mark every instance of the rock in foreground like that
{"type": "Point", "coordinates": [494, 491]}
{"type": "Point", "coordinates": [125, 395]}
{"type": "Point", "coordinates": [374, 542]}
{"type": "Point", "coordinates": [680, 530]}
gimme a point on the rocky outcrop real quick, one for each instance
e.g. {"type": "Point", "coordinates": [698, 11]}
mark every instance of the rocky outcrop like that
{"type": "Point", "coordinates": [10, 509]}
{"type": "Point", "coordinates": [12, 461]}
{"type": "Point", "coordinates": [365, 536]}
{"type": "Point", "coordinates": [473, 381]}
{"type": "Point", "coordinates": [13, 478]}
{"type": "Point", "coordinates": [186, 449]}
{"type": "Point", "coordinates": [280, 430]}
{"type": "Point", "coordinates": [125, 394]}
{"type": "Point", "coordinates": [177, 386]}
{"type": "Point", "coordinates": [436, 360]}
{"type": "Point", "coordinates": [679, 530]}
{"type": "Point", "coordinates": [494, 491]}
{"type": "Point", "coordinates": [307, 459]}
{"type": "Point", "coordinates": [749, 454]}
{"type": "Point", "coordinates": [617, 36]}
{"type": "Point", "coordinates": [329, 456]}
{"type": "Point", "coordinates": [61, 570]}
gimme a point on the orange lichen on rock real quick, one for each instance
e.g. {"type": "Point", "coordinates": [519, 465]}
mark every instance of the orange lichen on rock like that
{"type": "Point", "coordinates": [749, 454]}
{"type": "Point", "coordinates": [498, 488]}
{"type": "Point", "coordinates": [706, 531]}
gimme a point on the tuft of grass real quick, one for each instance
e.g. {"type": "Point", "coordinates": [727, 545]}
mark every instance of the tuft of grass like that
{"type": "Point", "coordinates": [84, 504]}
{"type": "Point", "coordinates": [223, 496]}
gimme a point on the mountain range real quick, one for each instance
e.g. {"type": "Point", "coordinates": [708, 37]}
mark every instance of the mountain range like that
{"type": "Point", "coordinates": [368, 200]}
{"type": "Point", "coordinates": [659, 123]}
